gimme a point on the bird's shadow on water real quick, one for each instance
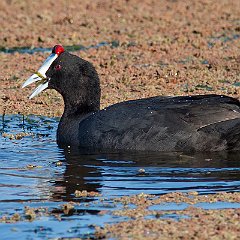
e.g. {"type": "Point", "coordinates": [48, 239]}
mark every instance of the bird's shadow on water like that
{"type": "Point", "coordinates": [94, 171]}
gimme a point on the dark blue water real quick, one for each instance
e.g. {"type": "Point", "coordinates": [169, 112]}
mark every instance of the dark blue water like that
{"type": "Point", "coordinates": [113, 44]}
{"type": "Point", "coordinates": [29, 50]}
{"type": "Point", "coordinates": [30, 175]}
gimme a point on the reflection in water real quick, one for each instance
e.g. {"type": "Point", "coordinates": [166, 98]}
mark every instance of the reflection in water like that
{"type": "Point", "coordinates": [76, 177]}
{"type": "Point", "coordinates": [112, 173]}
{"type": "Point", "coordinates": [100, 172]}
{"type": "Point", "coordinates": [29, 176]}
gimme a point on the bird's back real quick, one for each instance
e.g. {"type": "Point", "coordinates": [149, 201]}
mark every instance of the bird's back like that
{"type": "Point", "coordinates": [201, 123]}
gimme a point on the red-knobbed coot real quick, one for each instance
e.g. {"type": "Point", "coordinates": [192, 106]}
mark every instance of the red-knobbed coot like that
{"type": "Point", "coordinates": [184, 123]}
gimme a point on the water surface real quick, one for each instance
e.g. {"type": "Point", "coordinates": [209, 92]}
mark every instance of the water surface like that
{"type": "Point", "coordinates": [35, 172]}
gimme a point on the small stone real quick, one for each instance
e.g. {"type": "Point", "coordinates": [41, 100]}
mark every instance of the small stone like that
{"type": "Point", "coordinates": [16, 217]}
{"type": "Point", "coordinates": [30, 166]}
{"type": "Point", "coordinates": [59, 163]}
{"type": "Point", "coordinates": [141, 170]}
{"type": "Point", "coordinates": [83, 193]}
{"type": "Point", "coordinates": [30, 213]}
{"type": "Point", "coordinates": [67, 208]}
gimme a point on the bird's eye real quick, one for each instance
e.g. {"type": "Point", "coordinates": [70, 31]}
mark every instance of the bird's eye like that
{"type": "Point", "coordinates": [58, 67]}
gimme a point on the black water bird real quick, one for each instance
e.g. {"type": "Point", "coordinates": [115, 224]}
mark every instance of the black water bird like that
{"type": "Point", "coordinates": [184, 123]}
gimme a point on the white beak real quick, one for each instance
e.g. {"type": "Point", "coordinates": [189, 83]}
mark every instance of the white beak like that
{"type": "Point", "coordinates": [41, 75]}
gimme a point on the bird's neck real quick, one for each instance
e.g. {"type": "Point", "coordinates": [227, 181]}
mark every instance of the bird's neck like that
{"type": "Point", "coordinates": [74, 110]}
{"type": "Point", "coordinates": [79, 103]}
{"type": "Point", "coordinates": [68, 128]}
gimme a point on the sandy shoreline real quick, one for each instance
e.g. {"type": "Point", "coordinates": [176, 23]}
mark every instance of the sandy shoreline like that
{"type": "Point", "coordinates": [165, 47]}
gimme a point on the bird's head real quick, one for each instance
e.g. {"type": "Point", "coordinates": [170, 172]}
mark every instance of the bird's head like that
{"type": "Point", "coordinates": [73, 77]}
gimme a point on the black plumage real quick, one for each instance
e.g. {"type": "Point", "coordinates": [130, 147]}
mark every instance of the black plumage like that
{"type": "Point", "coordinates": [185, 123]}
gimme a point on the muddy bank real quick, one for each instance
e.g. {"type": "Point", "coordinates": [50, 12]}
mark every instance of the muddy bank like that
{"type": "Point", "coordinates": [202, 224]}
{"type": "Point", "coordinates": [190, 223]}
{"type": "Point", "coordinates": [163, 48]}
{"type": "Point", "coordinates": [146, 221]}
